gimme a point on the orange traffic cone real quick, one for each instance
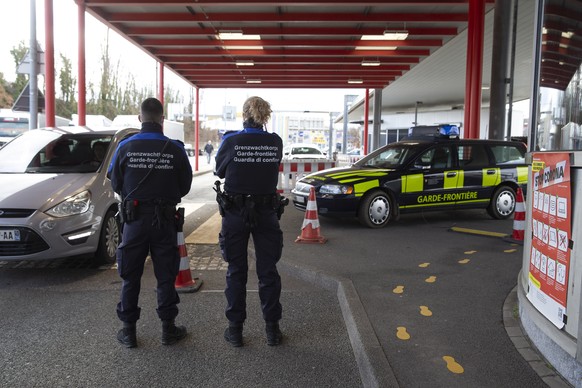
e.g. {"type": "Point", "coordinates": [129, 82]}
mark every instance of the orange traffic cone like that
{"type": "Point", "coordinates": [519, 217]}
{"type": "Point", "coordinates": [310, 228]}
{"type": "Point", "coordinates": [184, 282]}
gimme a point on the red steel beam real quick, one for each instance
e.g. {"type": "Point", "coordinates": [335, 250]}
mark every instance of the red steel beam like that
{"type": "Point", "coordinates": [289, 53]}
{"type": "Point", "coordinates": [49, 96]}
{"type": "Point", "coordinates": [291, 63]}
{"type": "Point", "coordinates": [259, 72]}
{"type": "Point", "coordinates": [285, 31]}
{"type": "Point", "coordinates": [82, 99]}
{"type": "Point", "coordinates": [286, 17]}
{"type": "Point", "coordinates": [186, 43]}
{"type": "Point", "coordinates": [415, 3]}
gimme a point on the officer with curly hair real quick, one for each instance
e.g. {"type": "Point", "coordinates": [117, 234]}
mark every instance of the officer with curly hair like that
{"type": "Point", "coordinates": [249, 161]}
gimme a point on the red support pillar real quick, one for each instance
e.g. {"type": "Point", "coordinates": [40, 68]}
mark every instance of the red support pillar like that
{"type": "Point", "coordinates": [366, 108]}
{"type": "Point", "coordinates": [81, 98]}
{"type": "Point", "coordinates": [161, 82]}
{"type": "Point", "coordinates": [197, 130]}
{"type": "Point", "coordinates": [474, 74]}
{"type": "Point", "coordinates": [49, 96]}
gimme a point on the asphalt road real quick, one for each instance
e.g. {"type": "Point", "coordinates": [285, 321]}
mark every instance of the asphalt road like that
{"type": "Point", "coordinates": [432, 298]}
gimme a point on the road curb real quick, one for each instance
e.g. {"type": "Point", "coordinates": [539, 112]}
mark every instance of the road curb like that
{"type": "Point", "coordinates": [375, 370]}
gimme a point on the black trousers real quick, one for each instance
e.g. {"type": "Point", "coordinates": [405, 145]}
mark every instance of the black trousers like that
{"type": "Point", "coordinates": [268, 242]}
{"type": "Point", "coordinates": [139, 239]}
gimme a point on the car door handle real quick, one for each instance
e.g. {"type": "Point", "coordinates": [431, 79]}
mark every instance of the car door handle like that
{"type": "Point", "coordinates": [490, 172]}
{"type": "Point", "coordinates": [451, 174]}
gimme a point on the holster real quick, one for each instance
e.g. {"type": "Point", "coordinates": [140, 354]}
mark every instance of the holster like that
{"type": "Point", "coordinates": [164, 214]}
{"type": "Point", "coordinates": [279, 204]}
{"type": "Point", "coordinates": [127, 211]}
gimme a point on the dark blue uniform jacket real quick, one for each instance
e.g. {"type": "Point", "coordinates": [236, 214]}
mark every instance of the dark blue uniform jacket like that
{"type": "Point", "coordinates": [171, 178]}
{"type": "Point", "coordinates": [249, 160]}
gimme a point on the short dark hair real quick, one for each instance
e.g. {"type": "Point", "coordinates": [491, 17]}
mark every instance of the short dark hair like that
{"type": "Point", "coordinates": [152, 110]}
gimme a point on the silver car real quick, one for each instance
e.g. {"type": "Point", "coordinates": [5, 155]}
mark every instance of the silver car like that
{"type": "Point", "coordinates": [55, 198]}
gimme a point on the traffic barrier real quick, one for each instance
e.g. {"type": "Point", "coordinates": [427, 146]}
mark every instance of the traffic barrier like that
{"type": "Point", "coordinates": [347, 160]}
{"type": "Point", "coordinates": [184, 281]}
{"type": "Point", "coordinates": [291, 170]}
{"type": "Point", "coordinates": [519, 217]}
{"type": "Point", "coordinates": [310, 232]}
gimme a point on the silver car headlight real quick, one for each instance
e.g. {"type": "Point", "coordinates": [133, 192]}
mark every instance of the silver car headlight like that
{"type": "Point", "coordinates": [77, 204]}
{"type": "Point", "coordinates": [336, 189]}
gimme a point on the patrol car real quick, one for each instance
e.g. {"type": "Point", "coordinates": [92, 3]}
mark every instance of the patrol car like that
{"type": "Point", "coordinates": [418, 175]}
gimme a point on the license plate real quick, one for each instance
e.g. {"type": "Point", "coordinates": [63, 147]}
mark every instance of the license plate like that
{"type": "Point", "coordinates": [10, 235]}
{"type": "Point", "coordinates": [299, 199]}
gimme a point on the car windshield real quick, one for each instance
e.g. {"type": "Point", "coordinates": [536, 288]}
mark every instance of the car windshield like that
{"type": "Point", "coordinates": [392, 156]}
{"type": "Point", "coordinates": [305, 151]}
{"type": "Point", "coordinates": [40, 151]}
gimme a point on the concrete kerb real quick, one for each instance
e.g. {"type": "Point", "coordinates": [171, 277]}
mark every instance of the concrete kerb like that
{"type": "Point", "coordinates": [375, 370]}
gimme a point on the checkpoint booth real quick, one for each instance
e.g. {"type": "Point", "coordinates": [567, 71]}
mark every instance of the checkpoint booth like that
{"type": "Point", "coordinates": [549, 285]}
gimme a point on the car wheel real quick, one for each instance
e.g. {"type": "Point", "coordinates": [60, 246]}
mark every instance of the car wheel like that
{"type": "Point", "coordinates": [502, 203]}
{"type": "Point", "coordinates": [108, 239]}
{"type": "Point", "coordinates": [375, 209]}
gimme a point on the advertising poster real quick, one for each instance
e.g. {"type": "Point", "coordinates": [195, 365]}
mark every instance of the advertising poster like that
{"type": "Point", "coordinates": [551, 229]}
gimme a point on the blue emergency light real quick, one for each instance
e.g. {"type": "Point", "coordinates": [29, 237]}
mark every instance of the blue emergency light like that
{"type": "Point", "coordinates": [449, 130]}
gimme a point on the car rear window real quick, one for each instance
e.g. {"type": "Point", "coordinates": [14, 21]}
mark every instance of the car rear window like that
{"type": "Point", "coordinates": [508, 154]}
{"type": "Point", "coordinates": [473, 156]}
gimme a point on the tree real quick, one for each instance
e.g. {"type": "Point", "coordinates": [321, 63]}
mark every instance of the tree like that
{"type": "Point", "coordinates": [67, 105]}
{"type": "Point", "coordinates": [18, 54]}
{"type": "Point", "coordinates": [6, 100]}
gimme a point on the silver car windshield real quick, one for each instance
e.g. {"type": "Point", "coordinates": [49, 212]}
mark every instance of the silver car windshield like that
{"type": "Point", "coordinates": [392, 156]}
{"type": "Point", "coordinates": [49, 152]}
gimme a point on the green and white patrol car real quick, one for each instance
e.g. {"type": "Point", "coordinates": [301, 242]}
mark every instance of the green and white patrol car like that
{"type": "Point", "coordinates": [420, 175]}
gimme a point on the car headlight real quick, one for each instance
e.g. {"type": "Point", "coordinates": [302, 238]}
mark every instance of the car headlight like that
{"type": "Point", "coordinates": [77, 204]}
{"type": "Point", "coordinates": [336, 189]}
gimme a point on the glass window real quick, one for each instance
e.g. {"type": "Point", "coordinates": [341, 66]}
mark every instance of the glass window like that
{"type": "Point", "coordinates": [473, 156]}
{"type": "Point", "coordinates": [507, 154]}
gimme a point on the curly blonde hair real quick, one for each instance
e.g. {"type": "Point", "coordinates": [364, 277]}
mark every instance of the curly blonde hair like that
{"type": "Point", "coordinates": [257, 109]}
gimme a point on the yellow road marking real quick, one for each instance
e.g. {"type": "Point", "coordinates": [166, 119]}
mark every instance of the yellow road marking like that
{"type": "Point", "coordinates": [479, 232]}
{"type": "Point", "coordinates": [452, 365]}
{"type": "Point", "coordinates": [424, 265]}
{"type": "Point", "coordinates": [464, 261]}
{"type": "Point", "coordinates": [425, 311]}
{"type": "Point", "coordinates": [402, 334]}
{"type": "Point", "coordinates": [430, 279]}
{"type": "Point", "coordinates": [398, 290]}
{"type": "Point", "coordinates": [510, 250]}
{"type": "Point", "coordinates": [470, 252]}
{"type": "Point", "coordinates": [207, 233]}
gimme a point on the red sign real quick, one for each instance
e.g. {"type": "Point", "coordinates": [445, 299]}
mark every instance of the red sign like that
{"type": "Point", "coordinates": [551, 229]}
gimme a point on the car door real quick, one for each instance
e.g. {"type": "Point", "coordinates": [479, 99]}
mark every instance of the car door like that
{"type": "Point", "coordinates": [480, 176]}
{"type": "Point", "coordinates": [431, 180]}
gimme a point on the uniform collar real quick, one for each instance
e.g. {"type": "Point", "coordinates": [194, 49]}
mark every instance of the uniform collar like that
{"type": "Point", "coordinates": [151, 127]}
{"type": "Point", "coordinates": [252, 130]}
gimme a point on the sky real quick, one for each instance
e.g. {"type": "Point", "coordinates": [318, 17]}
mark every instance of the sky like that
{"type": "Point", "coordinates": [142, 66]}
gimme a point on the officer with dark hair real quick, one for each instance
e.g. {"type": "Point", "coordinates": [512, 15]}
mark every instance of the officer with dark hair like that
{"type": "Point", "coordinates": [151, 173]}
{"type": "Point", "coordinates": [249, 161]}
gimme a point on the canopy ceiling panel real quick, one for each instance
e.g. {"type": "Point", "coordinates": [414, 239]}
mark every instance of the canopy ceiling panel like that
{"type": "Point", "coordinates": [289, 44]}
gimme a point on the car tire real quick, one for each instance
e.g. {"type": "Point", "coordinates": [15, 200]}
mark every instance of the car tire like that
{"type": "Point", "coordinates": [502, 203]}
{"type": "Point", "coordinates": [109, 239]}
{"type": "Point", "coordinates": [375, 209]}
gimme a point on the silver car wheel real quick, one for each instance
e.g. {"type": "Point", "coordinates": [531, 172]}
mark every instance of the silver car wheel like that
{"type": "Point", "coordinates": [505, 203]}
{"type": "Point", "coordinates": [375, 209]}
{"type": "Point", "coordinates": [379, 210]}
{"type": "Point", "coordinates": [111, 236]}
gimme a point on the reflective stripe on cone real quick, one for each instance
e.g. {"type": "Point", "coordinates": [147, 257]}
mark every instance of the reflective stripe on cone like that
{"type": "Point", "coordinates": [310, 232]}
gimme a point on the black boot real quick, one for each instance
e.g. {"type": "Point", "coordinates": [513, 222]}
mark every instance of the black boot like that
{"type": "Point", "coordinates": [233, 335]}
{"type": "Point", "coordinates": [127, 335]}
{"type": "Point", "coordinates": [274, 335]}
{"type": "Point", "coordinates": [172, 333]}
